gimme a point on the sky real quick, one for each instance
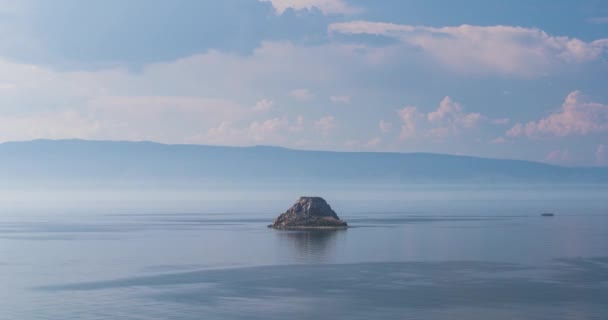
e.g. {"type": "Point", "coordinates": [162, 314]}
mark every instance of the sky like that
{"type": "Point", "coordinates": [491, 78]}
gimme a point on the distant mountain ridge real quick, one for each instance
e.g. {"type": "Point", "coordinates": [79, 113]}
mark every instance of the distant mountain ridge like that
{"type": "Point", "coordinates": [121, 162]}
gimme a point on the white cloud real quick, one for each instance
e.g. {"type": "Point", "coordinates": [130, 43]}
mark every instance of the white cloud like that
{"type": "Point", "coordinates": [225, 133]}
{"type": "Point", "coordinates": [598, 20]}
{"type": "Point", "coordinates": [185, 101]}
{"type": "Point", "coordinates": [369, 144]}
{"type": "Point", "coordinates": [409, 116]}
{"type": "Point", "coordinates": [180, 101]}
{"type": "Point", "coordinates": [470, 120]}
{"type": "Point", "coordinates": [373, 142]}
{"type": "Point", "coordinates": [385, 126]}
{"type": "Point", "coordinates": [340, 99]}
{"type": "Point", "coordinates": [268, 131]}
{"type": "Point", "coordinates": [325, 124]}
{"type": "Point", "coordinates": [325, 6]}
{"type": "Point", "coordinates": [168, 119]}
{"type": "Point", "coordinates": [261, 130]}
{"type": "Point", "coordinates": [447, 108]}
{"type": "Point", "coordinates": [499, 140]}
{"type": "Point", "coordinates": [117, 104]}
{"type": "Point", "coordinates": [62, 125]}
{"type": "Point", "coordinates": [159, 118]}
{"type": "Point", "coordinates": [168, 102]}
{"type": "Point", "coordinates": [577, 116]}
{"type": "Point", "coordinates": [450, 113]}
{"type": "Point", "coordinates": [301, 94]}
{"type": "Point", "coordinates": [471, 49]}
{"type": "Point", "coordinates": [263, 105]}
{"type": "Point", "coordinates": [299, 125]}
{"type": "Point", "coordinates": [447, 120]}
{"type": "Point", "coordinates": [450, 117]}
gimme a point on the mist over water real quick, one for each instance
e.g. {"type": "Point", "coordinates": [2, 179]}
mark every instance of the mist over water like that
{"type": "Point", "coordinates": [415, 252]}
{"type": "Point", "coordinates": [273, 199]}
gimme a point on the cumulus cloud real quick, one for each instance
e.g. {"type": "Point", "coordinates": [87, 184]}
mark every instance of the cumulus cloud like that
{"type": "Point", "coordinates": [325, 124]}
{"type": "Point", "coordinates": [325, 6]}
{"type": "Point", "coordinates": [385, 126]}
{"type": "Point", "coordinates": [180, 101]}
{"type": "Point", "coordinates": [121, 105]}
{"type": "Point", "coordinates": [577, 116]}
{"type": "Point", "coordinates": [260, 130]}
{"type": "Point", "coordinates": [409, 117]}
{"type": "Point", "coordinates": [448, 119]}
{"type": "Point", "coordinates": [450, 113]}
{"type": "Point", "coordinates": [499, 140]}
{"type": "Point", "coordinates": [173, 102]}
{"type": "Point", "coordinates": [366, 144]}
{"type": "Point", "coordinates": [223, 133]}
{"type": "Point", "coordinates": [269, 131]}
{"type": "Point", "coordinates": [301, 94]}
{"type": "Point", "coordinates": [340, 99]}
{"type": "Point", "coordinates": [373, 142]}
{"type": "Point", "coordinates": [263, 105]}
{"type": "Point", "coordinates": [501, 49]}
{"type": "Point", "coordinates": [299, 125]}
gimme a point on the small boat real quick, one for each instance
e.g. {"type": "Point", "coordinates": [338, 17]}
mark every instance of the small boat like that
{"type": "Point", "coordinates": [547, 214]}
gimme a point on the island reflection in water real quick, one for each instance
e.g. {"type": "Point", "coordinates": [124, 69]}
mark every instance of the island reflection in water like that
{"type": "Point", "coordinates": [309, 246]}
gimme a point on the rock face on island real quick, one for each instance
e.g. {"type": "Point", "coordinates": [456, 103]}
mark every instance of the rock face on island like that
{"type": "Point", "coordinates": [308, 212]}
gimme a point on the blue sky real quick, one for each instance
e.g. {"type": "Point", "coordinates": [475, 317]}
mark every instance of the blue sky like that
{"type": "Point", "coordinates": [505, 79]}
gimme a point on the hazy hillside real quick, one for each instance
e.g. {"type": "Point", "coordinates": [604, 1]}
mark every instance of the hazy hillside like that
{"type": "Point", "coordinates": [144, 163]}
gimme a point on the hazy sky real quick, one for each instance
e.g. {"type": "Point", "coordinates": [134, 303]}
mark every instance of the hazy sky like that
{"type": "Point", "coordinates": [502, 78]}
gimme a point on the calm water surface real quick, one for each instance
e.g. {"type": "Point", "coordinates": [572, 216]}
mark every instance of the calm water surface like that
{"type": "Point", "coordinates": [467, 259]}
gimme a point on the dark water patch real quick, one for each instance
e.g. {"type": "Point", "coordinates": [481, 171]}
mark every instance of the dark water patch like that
{"type": "Point", "coordinates": [359, 288]}
{"type": "Point", "coordinates": [294, 272]}
{"type": "Point", "coordinates": [174, 268]}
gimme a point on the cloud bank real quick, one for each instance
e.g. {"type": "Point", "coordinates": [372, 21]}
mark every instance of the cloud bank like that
{"type": "Point", "coordinates": [577, 116]}
{"type": "Point", "coordinates": [325, 6]}
{"type": "Point", "coordinates": [497, 49]}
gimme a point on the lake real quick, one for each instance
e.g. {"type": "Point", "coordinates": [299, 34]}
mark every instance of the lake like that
{"type": "Point", "coordinates": [414, 253]}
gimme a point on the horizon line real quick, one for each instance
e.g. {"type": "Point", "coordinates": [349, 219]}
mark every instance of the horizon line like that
{"type": "Point", "coordinates": [293, 149]}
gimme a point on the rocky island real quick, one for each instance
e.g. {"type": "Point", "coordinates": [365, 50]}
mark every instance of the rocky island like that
{"type": "Point", "coordinates": [308, 212]}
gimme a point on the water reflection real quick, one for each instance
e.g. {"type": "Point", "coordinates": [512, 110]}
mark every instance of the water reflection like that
{"type": "Point", "coordinates": [309, 246]}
